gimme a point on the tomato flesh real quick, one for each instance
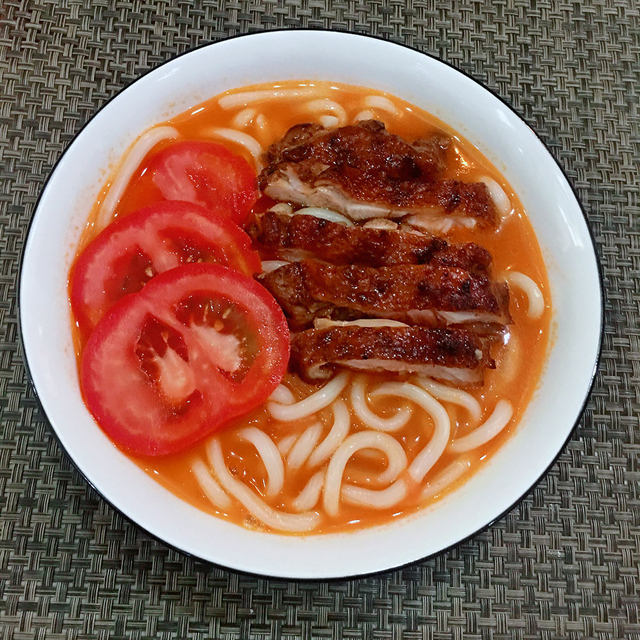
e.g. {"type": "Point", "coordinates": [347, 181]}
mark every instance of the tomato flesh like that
{"type": "Point", "coordinates": [204, 173]}
{"type": "Point", "coordinates": [131, 250]}
{"type": "Point", "coordinates": [198, 346]}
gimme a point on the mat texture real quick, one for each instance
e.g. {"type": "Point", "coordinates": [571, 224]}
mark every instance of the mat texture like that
{"type": "Point", "coordinates": [563, 564]}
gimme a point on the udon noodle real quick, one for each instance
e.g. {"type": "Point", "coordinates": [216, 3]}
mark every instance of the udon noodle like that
{"type": "Point", "coordinates": [360, 448]}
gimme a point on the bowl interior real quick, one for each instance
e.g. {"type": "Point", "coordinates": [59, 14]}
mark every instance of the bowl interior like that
{"type": "Point", "coordinates": [488, 123]}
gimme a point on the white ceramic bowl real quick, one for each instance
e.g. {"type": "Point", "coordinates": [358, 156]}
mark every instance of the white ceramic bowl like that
{"type": "Point", "coordinates": [455, 98]}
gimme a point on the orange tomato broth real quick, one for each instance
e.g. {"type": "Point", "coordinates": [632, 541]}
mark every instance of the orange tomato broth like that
{"type": "Point", "coordinates": [513, 247]}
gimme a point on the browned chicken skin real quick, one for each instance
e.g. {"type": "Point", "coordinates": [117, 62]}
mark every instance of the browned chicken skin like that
{"type": "Point", "coordinates": [304, 236]}
{"type": "Point", "coordinates": [342, 275]}
{"type": "Point", "coordinates": [363, 171]}
{"type": "Point", "coordinates": [449, 354]}
{"type": "Point", "coordinates": [417, 294]}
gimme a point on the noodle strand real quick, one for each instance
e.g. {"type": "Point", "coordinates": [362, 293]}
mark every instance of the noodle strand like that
{"type": "Point", "coordinates": [510, 357]}
{"type": "Point", "coordinates": [329, 122]}
{"type": "Point", "coordinates": [243, 118]}
{"type": "Point", "coordinates": [282, 394]}
{"type": "Point", "coordinates": [530, 289]}
{"type": "Point", "coordinates": [375, 499]}
{"type": "Point", "coordinates": [316, 401]}
{"type": "Point", "coordinates": [212, 490]}
{"type": "Point", "coordinates": [304, 446]}
{"type": "Point", "coordinates": [426, 458]}
{"type": "Point", "coordinates": [326, 104]}
{"type": "Point", "coordinates": [396, 462]}
{"type": "Point", "coordinates": [261, 123]}
{"type": "Point", "coordinates": [339, 431]}
{"type": "Point", "coordinates": [308, 498]}
{"type": "Point", "coordinates": [295, 523]}
{"type": "Point", "coordinates": [242, 139]}
{"type": "Point", "coordinates": [136, 154]}
{"type": "Point", "coordinates": [494, 424]}
{"type": "Point", "coordinates": [270, 455]}
{"type": "Point", "coordinates": [382, 103]}
{"type": "Point", "coordinates": [446, 477]}
{"type": "Point", "coordinates": [453, 395]}
{"type": "Point", "coordinates": [499, 197]}
{"type": "Point", "coordinates": [245, 98]}
{"type": "Point", "coordinates": [367, 114]}
{"type": "Point", "coordinates": [284, 445]}
{"type": "Point", "coordinates": [368, 417]}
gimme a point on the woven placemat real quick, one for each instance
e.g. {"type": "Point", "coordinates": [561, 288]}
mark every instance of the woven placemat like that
{"type": "Point", "coordinates": [563, 564]}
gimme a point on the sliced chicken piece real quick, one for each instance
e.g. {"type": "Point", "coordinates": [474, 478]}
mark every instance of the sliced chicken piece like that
{"type": "Point", "coordinates": [296, 237]}
{"type": "Point", "coordinates": [424, 295]}
{"type": "Point", "coordinates": [365, 143]}
{"type": "Point", "coordinates": [364, 172]}
{"type": "Point", "coordinates": [456, 355]}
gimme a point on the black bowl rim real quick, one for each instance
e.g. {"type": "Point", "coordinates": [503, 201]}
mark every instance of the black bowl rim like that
{"type": "Point", "coordinates": [463, 539]}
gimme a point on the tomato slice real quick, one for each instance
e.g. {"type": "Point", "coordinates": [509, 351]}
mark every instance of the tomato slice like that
{"type": "Point", "coordinates": [199, 346]}
{"type": "Point", "coordinates": [131, 250]}
{"type": "Point", "coordinates": [204, 173]}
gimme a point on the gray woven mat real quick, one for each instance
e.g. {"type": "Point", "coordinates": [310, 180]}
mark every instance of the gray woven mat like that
{"type": "Point", "coordinates": [563, 563]}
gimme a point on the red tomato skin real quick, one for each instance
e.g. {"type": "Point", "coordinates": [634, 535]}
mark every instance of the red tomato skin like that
{"type": "Point", "coordinates": [205, 173]}
{"type": "Point", "coordinates": [126, 405]}
{"type": "Point", "coordinates": [152, 227]}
